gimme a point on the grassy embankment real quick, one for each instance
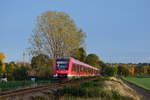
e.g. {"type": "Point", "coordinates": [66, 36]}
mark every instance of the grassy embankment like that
{"type": "Point", "coordinates": [140, 81]}
{"type": "Point", "coordinates": [100, 89]}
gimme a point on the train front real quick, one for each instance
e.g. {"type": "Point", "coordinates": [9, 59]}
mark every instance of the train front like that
{"type": "Point", "coordinates": [61, 67]}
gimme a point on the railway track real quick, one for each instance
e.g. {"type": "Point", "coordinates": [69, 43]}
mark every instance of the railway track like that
{"type": "Point", "coordinates": [43, 87]}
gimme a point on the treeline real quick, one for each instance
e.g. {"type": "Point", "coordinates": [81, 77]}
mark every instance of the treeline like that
{"type": "Point", "coordinates": [141, 69]}
{"type": "Point", "coordinates": [107, 69]}
{"type": "Point", "coordinates": [41, 67]}
{"type": "Point", "coordinates": [113, 69]}
{"type": "Point", "coordinates": [14, 71]}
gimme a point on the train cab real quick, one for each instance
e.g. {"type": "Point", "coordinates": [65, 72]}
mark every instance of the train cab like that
{"type": "Point", "coordinates": [61, 67]}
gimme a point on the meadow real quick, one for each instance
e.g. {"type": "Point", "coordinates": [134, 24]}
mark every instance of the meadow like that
{"type": "Point", "coordinates": [140, 81]}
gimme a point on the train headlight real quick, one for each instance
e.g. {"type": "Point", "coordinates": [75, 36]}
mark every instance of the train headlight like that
{"type": "Point", "coordinates": [55, 75]}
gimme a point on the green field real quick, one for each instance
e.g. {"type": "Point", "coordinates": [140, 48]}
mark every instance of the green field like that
{"type": "Point", "coordinates": [140, 81]}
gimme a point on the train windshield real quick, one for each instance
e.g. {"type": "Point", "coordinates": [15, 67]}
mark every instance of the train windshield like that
{"type": "Point", "coordinates": [62, 64]}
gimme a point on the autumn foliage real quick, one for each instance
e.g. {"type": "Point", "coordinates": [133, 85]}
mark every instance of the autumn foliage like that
{"type": "Point", "coordinates": [2, 56]}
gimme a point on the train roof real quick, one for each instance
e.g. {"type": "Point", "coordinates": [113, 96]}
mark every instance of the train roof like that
{"type": "Point", "coordinates": [81, 63]}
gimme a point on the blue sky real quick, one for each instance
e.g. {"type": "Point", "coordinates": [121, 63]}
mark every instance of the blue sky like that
{"type": "Point", "coordinates": [117, 30]}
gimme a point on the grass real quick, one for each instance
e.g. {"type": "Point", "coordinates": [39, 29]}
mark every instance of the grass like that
{"type": "Point", "coordinates": [39, 98]}
{"type": "Point", "coordinates": [4, 86]}
{"type": "Point", "coordinates": [92, 90]}
{"type": "Point", "coordinates": [11, 85]}
{"type": "Point", "coordinates": [140, 81]}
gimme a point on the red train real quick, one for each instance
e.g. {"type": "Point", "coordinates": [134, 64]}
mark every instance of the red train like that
{"type": "Point", "coordinates": [70, 67]}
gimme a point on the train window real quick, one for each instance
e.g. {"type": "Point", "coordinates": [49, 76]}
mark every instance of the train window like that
{"type": "Point", "coordinates": [78, 67]}
{"type": "Point", "coordinates": [62, 65]}
{"type": "Point", "coordinates": [86, 70]}
{"type": "Point", "coordinates": [82, 69]}
{"type": "Point", "coordinates": [73, 67]}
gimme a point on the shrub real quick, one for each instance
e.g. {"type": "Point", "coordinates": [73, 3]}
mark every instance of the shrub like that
{"type": "Point", "coordinates": [43, 65]}
{"type": "Point", "coordinates": [109, 71]}
{"type": "Point", "coordinates": [123, 70]}
{"type": "Point", "coordinates": [21, 73]}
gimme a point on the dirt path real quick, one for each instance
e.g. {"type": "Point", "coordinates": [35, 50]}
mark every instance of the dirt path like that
{"type": "Point", "coordinates": [144, 93]}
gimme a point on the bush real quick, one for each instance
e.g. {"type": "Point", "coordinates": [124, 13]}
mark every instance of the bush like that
{"type": "Point", "coordinates": [85, 90]}
{"type": "Point", "coordinates": [123, 70]}
{"type": "Point", "coordinates": [109, 71]}
{"type": "Point", "coordinates": [43, 65]}
{"type": "Point", "coordinates": [21, 73]}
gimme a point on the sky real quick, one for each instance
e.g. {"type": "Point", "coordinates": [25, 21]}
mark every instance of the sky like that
{"type": "Point", "coordinates": [117, 30]}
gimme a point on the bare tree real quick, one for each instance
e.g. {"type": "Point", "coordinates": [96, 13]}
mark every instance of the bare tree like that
{"type": "Point", "coordinates": [55, 35]}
